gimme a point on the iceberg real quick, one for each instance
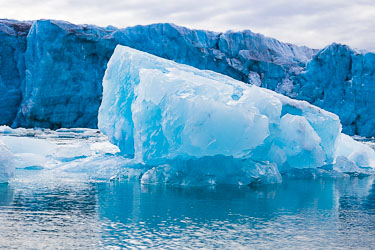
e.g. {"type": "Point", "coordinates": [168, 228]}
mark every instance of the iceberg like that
{"type": "Point", "coordinates": [192, 126]}
{"type": "Point", "coordinates": [29, 152]}
{"type": "Point", "coordinates": [355, 152]}
{"type": "Point", "coordinates": [66, 153]}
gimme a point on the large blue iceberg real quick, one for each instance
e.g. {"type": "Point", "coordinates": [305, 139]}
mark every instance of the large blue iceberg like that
{"type": "Point", "coordinates": [51, 71]}
{"type": "Point", "coordinates": [192, 126]}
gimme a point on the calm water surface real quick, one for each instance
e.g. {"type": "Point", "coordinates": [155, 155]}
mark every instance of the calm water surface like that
{"type": "Point", "coordinates": [42, 211]}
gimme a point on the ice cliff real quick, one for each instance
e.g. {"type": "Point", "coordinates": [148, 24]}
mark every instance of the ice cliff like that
{"type": "Point", "coordinates": [192, 126]}
{"type": "Point", "coordinates": [51, 71]}
{"type": "Point", "coordinates": [12, 67]}
{"type": "Point", "coordinates": [342, 81]}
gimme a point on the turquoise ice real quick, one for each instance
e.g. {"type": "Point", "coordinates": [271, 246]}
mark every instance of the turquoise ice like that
{"type": "Point", "coordinates": [191, 125]}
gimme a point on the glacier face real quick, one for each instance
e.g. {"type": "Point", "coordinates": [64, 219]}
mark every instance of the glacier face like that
{"type": "Point", "coordinates": [342, 81]}
{"type": "Point", "coordinates": [12, 69]}
{"type": "Point", "coordinates": [194, 126]}
{"type": "Point", "coordinates": [64, 64]}
{"type": "Point", "coordinates": [54, 77]}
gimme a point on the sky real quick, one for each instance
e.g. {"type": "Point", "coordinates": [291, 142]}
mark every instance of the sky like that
{"type": "Point", "coordinates": [314, 23]}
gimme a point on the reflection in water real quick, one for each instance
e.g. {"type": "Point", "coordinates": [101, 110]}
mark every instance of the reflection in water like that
{"type": "Point", "coordinates": [296, 213]}
{"type": "Point", "coordinates": [54, 213]}
{"type": "Point", "coordinates": [370, 202]}
{"type": "Point", "coordinates": [67, 213]}
{"type": "Point", "coordinates": [357, 210]}
{"type": "Point", "coordinates": [6, 194]}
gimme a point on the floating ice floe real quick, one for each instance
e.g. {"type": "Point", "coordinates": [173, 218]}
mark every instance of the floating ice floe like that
{"type": "Point", "coordinates": [64, 149]}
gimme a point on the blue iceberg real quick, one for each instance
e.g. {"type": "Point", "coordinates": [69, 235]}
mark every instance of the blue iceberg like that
{"type": "Point", "coordinates": [192, 126]}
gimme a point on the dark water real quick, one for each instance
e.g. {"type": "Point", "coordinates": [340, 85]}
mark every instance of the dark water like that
{"type": "Point", "coordinates": [71, 213]}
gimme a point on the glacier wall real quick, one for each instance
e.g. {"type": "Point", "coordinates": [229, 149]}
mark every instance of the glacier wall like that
{"type": "Point", "coordinates": [342, 81]}
{"type": "Point", "coordinates": [193, 127]}
{"type": "Point", "coordinates": [64, 64]}
{"type": "Point", "coordinates": [12, 67]}
{"type": "Point", "coordinates": [54, 77]}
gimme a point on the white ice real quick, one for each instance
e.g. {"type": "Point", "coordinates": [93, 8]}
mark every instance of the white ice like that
{"type": "Point", "coordinates": [63, 149]}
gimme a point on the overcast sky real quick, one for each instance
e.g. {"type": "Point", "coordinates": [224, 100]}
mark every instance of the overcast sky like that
{"type": "Point", "coordinates": [312, 23]}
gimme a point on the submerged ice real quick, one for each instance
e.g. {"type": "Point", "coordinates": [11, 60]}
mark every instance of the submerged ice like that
{"type": "Point", "coordinates": [192, 126]}
{"type": "Point", "coordinates": [7, 164]}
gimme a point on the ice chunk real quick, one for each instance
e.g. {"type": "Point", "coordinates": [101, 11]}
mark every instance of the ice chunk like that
{"type": "Point", "coordinates": [103, 167]}
{"type": "Point", "coordinates": [7, 165]}
{"type": "Point", "coordinates": [300, 142]}
{"type": "Point", "coordinates": [212, 170]}
{"type": "Point", "coordinates": [345, 165]}
{"type": "Point", "coordinates": [28, 145]}
{"type": "Point", "coordinates": [362, 155]}
{"type": "Point", "coordinates": [29, 152]}
{"type": "Point", "coordinates": [194, 126]}
{"type": "Point", "coordinates": [38, 149]}
{"type": "Point", "coordinates": [5, 130]}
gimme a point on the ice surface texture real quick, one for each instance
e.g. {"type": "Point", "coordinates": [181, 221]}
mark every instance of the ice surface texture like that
{"type": "Point", "coordinates": [80, 152]}
{"type": "Point", "coordinates": [64, 67]}
{"type": "Point", "coordinates": [7, 164]}
{"type": "Point", "coordinates": [199, 126]}
{"type": "Point", "coordinates": [342, 81]}
{"type": "Point", "coordinates": [56, 69]}
{"type": "Point", "coordinates": [12, 67]}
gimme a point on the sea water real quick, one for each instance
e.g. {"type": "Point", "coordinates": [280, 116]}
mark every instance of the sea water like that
{"type": "Point", "coordinates": [61, 212]}
{"type": "Point", "coordinates": [45, 208]}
